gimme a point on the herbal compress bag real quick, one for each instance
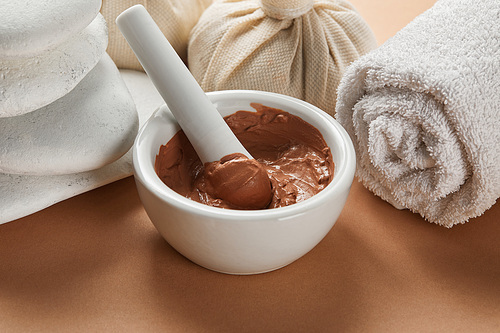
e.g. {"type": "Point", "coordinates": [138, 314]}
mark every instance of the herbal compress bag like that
{"type": "Point", "coordinates": [298, 48]}
{"type": "Point", "coordinates": [175, 18]}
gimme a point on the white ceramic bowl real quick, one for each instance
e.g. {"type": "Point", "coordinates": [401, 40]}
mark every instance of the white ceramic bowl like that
{"type": "Point", "coordinates": [242, 241]}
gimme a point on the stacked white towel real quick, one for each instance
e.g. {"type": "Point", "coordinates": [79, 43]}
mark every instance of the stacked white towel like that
{"type": "Point", "coordinates": [423, 111]}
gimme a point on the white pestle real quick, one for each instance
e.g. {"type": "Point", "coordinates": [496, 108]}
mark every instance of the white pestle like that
{"type": "Point", "coordinates": [205, 128]}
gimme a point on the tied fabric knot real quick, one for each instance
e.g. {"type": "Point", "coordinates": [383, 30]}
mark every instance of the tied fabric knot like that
{"type": "Point", "coordinates": [286, 10]}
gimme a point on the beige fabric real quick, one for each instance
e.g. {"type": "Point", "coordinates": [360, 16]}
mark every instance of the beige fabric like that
{"type": "Point", "coordinates": [174, 17]}
{"type": "Point", "coordinates": [281, 10]}
{"type": "Point", "coordinates": [236, 45]}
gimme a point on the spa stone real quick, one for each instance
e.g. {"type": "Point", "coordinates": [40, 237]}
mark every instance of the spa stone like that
{"type": "Point", "coordinates": [29, 194]}
{"type": "Point", "coordinates": [28, 84]}
{"type": "Point", "coordinates": [29, 27]}
{"type": "Point", "coordinates": [90, 127]}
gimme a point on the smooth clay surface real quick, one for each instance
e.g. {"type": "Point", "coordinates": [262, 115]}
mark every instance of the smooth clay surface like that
{"type": "Point", "coordinates": [28, 84]}
{"type": "Point", "coordinates": [90, 127]}
{"type": "Point", "coordinates": [29, 27]}
{"type": "Point", "coordinates": [29, 194]}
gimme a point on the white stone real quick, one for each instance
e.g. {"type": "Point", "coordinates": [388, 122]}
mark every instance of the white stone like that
{"type": "Point", "coordinates": [27, 84]}
{"type": "Point", "coordinates": [90, 127]}
{"type": "Point", "coordinates": [24, 195]}
{"type": "Point", "coordinates": [28, 27]}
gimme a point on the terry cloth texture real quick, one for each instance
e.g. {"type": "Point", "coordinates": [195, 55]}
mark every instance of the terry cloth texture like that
{"type": "Point", "coordinates": [423, 111]}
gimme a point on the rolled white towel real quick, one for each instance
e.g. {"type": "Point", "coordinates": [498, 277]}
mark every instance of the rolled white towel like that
{"type": "Point", "coordinates": [423, 111]}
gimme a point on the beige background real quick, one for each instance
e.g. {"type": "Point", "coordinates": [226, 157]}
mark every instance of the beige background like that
{"type": "Point", "coordinates": [95, 263]}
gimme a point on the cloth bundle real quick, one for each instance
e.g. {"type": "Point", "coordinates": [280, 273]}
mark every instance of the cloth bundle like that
{"type": "Point", "coordinates": [298, 48]}
{"type": "Point", "coordinates": [175, 18]}
{"type": "Point", "coordinates": [423, 111]}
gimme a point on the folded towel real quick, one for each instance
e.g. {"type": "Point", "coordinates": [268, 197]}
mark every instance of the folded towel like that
{"type": "Point", "coordinates": [423, 111]}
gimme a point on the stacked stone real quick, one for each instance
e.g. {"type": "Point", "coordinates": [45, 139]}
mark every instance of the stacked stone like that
{"type": "Point", "coordinates": [64, 107]}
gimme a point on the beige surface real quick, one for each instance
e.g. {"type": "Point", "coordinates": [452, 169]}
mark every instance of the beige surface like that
{"type": "Point", "coordinates": [95, 263]}
{"type": "Point", "coordinates": [386, 17]}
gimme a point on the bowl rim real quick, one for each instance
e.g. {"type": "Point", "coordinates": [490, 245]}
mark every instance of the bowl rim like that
{"type": "Point", "coordinates": [342, 180]}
